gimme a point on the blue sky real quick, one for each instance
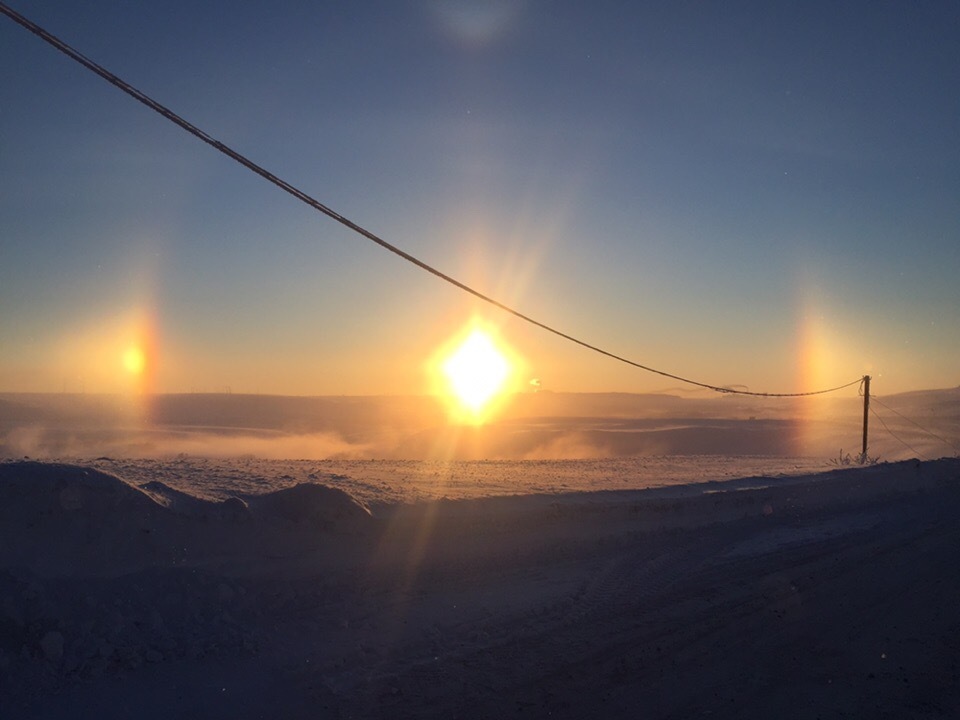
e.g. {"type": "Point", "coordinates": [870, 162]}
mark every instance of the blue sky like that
{"type": "Point", "coordinates": [762, 194]}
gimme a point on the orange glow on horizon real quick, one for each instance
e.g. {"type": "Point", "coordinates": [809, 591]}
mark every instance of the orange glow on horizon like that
{"type": "Point", "coordinates": [815, 357]}
{"type": "Point", "coordinates": [112, 353]}
{"type": "Point", "coordinates": [140, 359]}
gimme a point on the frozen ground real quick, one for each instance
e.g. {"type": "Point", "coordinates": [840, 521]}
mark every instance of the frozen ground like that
{"type": "Point", "coordinates": [379, 482]}
{"type": "Point", "coordinates": [248, 588]}
{"type": "Point", "coordinates": [585, 556]}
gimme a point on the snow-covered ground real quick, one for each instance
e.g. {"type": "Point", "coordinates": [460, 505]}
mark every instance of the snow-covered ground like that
{"type": "Point", "coordinates": [652, 587]}
{"type": "Point", "coordinates": [584, 556]}
{"type": "Point", "coordinates": [379, 482]}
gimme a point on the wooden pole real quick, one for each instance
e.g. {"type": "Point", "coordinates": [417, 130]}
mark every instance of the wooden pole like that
{"type": "Point", "coordinates": [866, 415]}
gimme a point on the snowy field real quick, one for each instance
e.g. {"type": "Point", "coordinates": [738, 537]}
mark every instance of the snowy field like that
{"type": "Point", "coordinates": [387, 482]}
{"type": "Point", "coordinates": [663, 586]}
{"type": "Point", "coordinates": [791, 596]}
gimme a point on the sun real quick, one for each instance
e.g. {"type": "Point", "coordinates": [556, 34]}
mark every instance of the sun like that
{"type": "Point", "coordinates": [134, 360]}
{"type": "Point", "coordinates": [475, 372]}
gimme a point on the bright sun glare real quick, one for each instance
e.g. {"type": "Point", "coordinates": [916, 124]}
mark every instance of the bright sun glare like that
{"type": "Point", "coordinates": [134, 360]}
{"type": "Point", "coordinates": [476, 371]}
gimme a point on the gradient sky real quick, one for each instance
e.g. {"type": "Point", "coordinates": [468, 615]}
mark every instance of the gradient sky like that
{"type": "Point", "coordinates": [751, 193]}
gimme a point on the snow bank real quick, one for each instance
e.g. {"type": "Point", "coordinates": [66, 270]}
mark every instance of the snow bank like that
{"type": "Point", "coordinates": [58, 520]}
{"type": "Point", "coordinates": [98, 575]}
{"type": "Point", "coordinates": [69, 520]}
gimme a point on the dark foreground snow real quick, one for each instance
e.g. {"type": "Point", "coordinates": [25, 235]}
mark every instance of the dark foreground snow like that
{"type": "Point", "coordinates": [831, 595]}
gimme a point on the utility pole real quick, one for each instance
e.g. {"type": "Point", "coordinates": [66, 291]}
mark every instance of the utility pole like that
{"type": "Point", "coordinates": [866, 416]}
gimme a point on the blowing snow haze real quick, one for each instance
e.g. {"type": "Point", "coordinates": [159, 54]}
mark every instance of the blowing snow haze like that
{"type": "Point", "coordinates": [541, 425]}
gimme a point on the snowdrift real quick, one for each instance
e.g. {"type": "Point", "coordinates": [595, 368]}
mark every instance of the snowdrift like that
{"type": "Point", "coordinates": [60, 519]}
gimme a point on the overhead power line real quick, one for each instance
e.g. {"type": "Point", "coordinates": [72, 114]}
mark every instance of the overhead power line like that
{"type": "Point", "coordinates": [317, 205]}
{"type": "Point", "coordinates": [914, 422]}
{"type": "Point", "coordinates": [897, 437]}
